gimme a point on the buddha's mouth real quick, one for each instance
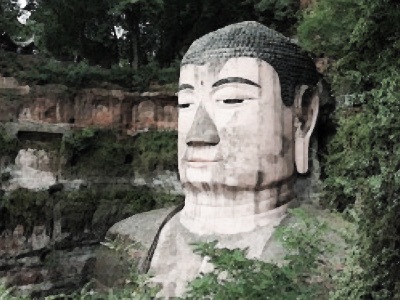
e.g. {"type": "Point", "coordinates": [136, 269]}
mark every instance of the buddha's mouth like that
{"type": "Point", "coordinates": [202, 155]}
{"type": "Point", "coordinates": [200, 163]}
{"type": "Point", "coordinates": [202, 160]}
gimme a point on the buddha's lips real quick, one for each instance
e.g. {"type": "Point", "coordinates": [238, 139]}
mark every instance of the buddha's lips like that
{"type": "Point", "coordinates": [202, 154]}
{"type": "Point", "coordinates": [200, 164]}
{"type": "Point", "coordinates": [202, 160]}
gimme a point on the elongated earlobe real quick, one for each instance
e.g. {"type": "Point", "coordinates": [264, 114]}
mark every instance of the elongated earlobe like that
{"type": "Point", "coordinates": [305, 120]}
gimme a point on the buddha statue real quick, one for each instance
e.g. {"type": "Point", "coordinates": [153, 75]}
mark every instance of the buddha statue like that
{"type": "Point", "coordinates": [248, 103]}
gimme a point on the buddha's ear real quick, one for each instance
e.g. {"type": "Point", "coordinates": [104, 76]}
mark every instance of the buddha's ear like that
{"type": "Point", "coordinates": [306, 111]}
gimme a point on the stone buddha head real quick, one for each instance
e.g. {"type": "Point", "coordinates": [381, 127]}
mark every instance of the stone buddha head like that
{"type": "Point", "coordinates": [248, 104]}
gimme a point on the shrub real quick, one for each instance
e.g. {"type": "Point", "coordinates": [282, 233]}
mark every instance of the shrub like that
{"type": "Point", "coordinates": [6, 294]}
{"type": "Point", "coordinates": [155, 150]}
{"type": "Point", "coordinates": [38, 69]}
{"type": "Point", "coordinates": [363, 168]}
{"type": "Point", "coordinates": [237, 277]}
{"type": "Point", "coordinates": [101, 152]}
{"type": "Point", "coordinates": [363, 160]}
{"type": "Point", "coordinates": [9, 145]}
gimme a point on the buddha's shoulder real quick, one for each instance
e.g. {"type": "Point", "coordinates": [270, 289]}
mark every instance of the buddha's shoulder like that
{"type": "Point", "coordinates": [140, 228]}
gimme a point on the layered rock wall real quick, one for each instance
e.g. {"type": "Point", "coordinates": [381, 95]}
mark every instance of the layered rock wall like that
{"type": "Point", "coordinates": [48, 237]}
{"type": "Point", "coordinates": [56, 104]}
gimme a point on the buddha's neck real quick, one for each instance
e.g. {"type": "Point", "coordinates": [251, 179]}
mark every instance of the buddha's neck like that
{"type": "Point", "coordinates": [225, 210]}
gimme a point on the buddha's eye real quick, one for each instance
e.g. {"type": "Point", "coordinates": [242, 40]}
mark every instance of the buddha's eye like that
{"type": "Point", "coordinates": [184, 105]}
{"type": "Point", "coordinates": [232, 101]}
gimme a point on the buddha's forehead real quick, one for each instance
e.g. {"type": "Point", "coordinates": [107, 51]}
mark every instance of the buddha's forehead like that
{"type": "Point", "coordinates": [254, 40]}
{"type": "Point", "coordinates": [244, 67]}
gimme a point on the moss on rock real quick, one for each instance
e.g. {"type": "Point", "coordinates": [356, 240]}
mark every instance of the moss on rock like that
{"type": "Point", "coordinates": [102, 152]}
{"type": "Point", "coordinates": [78, 211]}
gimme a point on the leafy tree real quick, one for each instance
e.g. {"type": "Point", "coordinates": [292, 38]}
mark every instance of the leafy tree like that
{"type": "Point", "coordinates": [159, 30]}
{"type": "Point", "coordinates": [10, 27]}
{"type": "Point", "coordinates": [183, 21]}
{"type": "Point", "coordinates": [364, 47]}
{"type": "Point", "coordinates": [281, 15]}
{"type": "Point", "coordinates": [363, 168]}
{"type": "Point", "coordinates": [363, 39]}
{"type": "Point", "coordinates": [76, 30]}
{"type": "Point", "coordinates": [9, 144]}
{"type": "Point", "coordinates": [137, 17]}
{"type": "Point", "coordinates": [8, 16]}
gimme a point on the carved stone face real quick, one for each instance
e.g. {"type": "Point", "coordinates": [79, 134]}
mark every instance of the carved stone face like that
{"type": "Point", "coordinates": [234, 129]}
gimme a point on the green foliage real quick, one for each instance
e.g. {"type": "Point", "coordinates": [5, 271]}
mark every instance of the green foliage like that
{"type": "Point", "coordinates": [363, 153]}
{"type": "Point", "coordinates": [363, 160]}
{"type": "Point", "coordinates": [136, 286]}
{"type": "Point", "coordinates": [79, 209]}
{"type": "Point", "coordinates": [42, 70]}
{"type": "Point", "coordinates": [237, 277]}
{"type": "Point", "coordinates": [6, 293]}
{"type": "Point", "coordinates": [282, 8]}
{"type": "Point", "coordinates": [280, 15]}
{"type": "Point", "coordinates": [8, 16]}
{"type": "Point", "coordinates": [155, 150]}
{"type": "Point", "coordinates": [8, 145]}
{"type": "Point", "coordinates": [26, 208]}
{"type": "Point", "coordinates": [79, 141]}
{"type": "Point", "coordinates": [305, 242]}
{"type": "Point", "coordinates": [352, 271]}
{"type": "Point", "coordinates": [100, 152]}
{"type": "Point", "coordinates": [155, 34]}
{"type": "Point", "coordinates": [364, 48]}
{"type": "Point", "coordinates": [158, 30]}
{"type": "Point", "coordinates": [73, 29]}
{"type": "Point", "coordinates": [10, 64]}
{"type": "Point", "coordinates": [75, 74]}
{"type": "Point", "coordinates": [152, 72]}
{"type": "Point", "coordinates": [363, 170]}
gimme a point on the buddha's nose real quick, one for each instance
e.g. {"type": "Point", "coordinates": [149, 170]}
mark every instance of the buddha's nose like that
{"type": "Point", "coordinates": [203, 131]}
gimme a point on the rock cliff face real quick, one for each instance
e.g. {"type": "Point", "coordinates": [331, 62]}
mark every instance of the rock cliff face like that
{"type": "Point", "coordinates": [48, 243]}
{"type": "Point", "coordinates": [31, 171]}
{"type": "Point", "coordinates": [98, 107]}
{"type": "Point", "coordinates": [49, 237]}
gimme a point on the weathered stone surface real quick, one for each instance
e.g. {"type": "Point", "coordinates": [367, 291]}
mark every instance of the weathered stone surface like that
{"type": "Point", "coordinates": [133, 237]}
{"type": "Point", "coordinates": [11, 84]}
{"type": "Point", "coordinates": [174, 264]}
{"type": "Point", "coordinates": [249, 101]}
{"type": "Point", "coordinates": [25, 277]}
{"type": "Point", "coordinates": [166, 181]}
{"type": "Point", "coordinates": [99, 107]}
{"type": "Point", "coordinates": [51, 247]}
{"type": "Point", "coordinates": [56, 251]}
{"type": "Point", "coordinates": [237, 159]}
{"type": "Point", "coordinates": [140, 228]}
{"type": "Point", "coordinates": [179, 264]}
{"type": "Point", "coordinates": [32, 170]}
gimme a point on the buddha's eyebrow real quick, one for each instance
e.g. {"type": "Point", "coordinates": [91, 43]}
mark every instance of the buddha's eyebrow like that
{"type": "Point", "coordinates": [186, 86]}
{"type": "Point", "coordinates": [234, 79]}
